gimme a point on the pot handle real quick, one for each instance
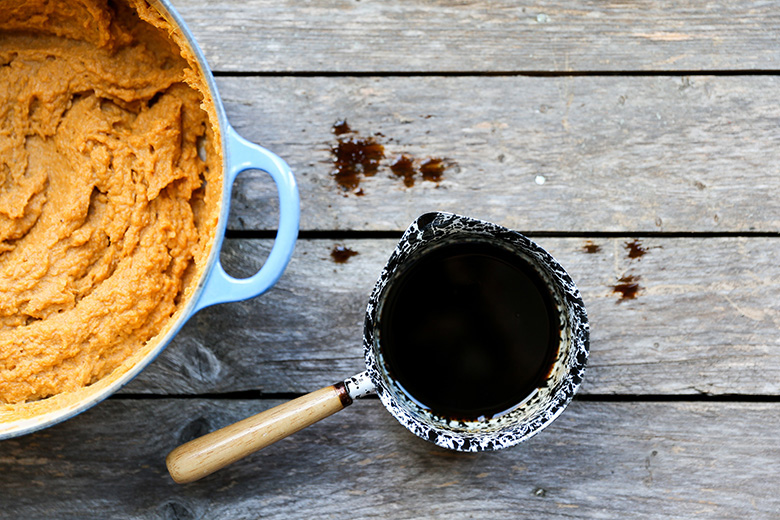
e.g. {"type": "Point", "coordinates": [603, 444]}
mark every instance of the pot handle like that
{"type": "Point", "coordinates": [244, 155]}
{"type": "Point", "coordinates": [205, 455]}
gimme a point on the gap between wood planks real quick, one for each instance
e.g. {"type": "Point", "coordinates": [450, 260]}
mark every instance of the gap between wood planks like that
{"type": "Point", "coordinates": [499, 73]}
{"type": "Point", "coordinates": [389, 234]}
{"type": "Point", "coordinates": [609, 398]}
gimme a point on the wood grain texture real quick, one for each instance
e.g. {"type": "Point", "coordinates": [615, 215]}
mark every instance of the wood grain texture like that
{"type": "Point", "coordinates": [649, 154]}
{"type": "Point", "coordinates": [598, 460]}
{"type": "Point", "coordinates": [552, 117]}
{"type": "Point", "coordinates": [478, 35]}
{"type": "Point", "coordinates": [704, 322]}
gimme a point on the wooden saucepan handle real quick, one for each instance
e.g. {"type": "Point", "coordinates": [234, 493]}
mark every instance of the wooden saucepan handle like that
{"type": "Point", "coordinates": [207, 454]}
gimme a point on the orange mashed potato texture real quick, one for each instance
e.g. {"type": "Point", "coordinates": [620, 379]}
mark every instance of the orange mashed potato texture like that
{"type": "Point", "coordinates": [105, 218]}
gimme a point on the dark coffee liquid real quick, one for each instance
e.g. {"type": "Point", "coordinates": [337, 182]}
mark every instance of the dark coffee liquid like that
{"type": "Point", "coordinates": [469, 331]}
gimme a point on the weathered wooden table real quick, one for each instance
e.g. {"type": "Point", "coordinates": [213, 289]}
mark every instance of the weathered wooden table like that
{"type": "Point", "coordinates": [638, 142]}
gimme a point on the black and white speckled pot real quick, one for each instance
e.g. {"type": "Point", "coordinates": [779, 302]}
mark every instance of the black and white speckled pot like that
{"type": "Point", "coordinates": [431, 231]}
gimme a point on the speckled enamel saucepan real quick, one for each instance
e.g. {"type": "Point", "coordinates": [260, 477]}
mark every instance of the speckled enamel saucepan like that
{"type": "Point", "coordinates": [524, 419]}
{"type": "Point", "coordinates": [215, 285]}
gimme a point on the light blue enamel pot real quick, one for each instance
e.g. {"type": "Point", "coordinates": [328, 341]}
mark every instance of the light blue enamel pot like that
{"type": "Point", "coordinates": [215, 285]}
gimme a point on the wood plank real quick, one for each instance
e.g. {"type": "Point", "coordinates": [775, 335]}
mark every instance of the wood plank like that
{"type": "Point", "coordinates": [598, 460]}
{"type": "Point", "coordinates": [704, 322]}
{"type": "Point", "coordinates": [649, 154]}
{"type": "Point", "coordinates": [475, 35]}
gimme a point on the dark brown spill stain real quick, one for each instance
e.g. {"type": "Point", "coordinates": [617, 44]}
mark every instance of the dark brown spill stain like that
{"type": "Point", "coordinates": [340, 254]}
{"type": "Point", "coordinates": [627, 287]}
{"type": "Point", "coordinates": [403, 166]}
{"type": "Point", "coordinates": [432, 169]}
{"type": "Point", "coordinates": [591, 248]}
{"type": "Point", "coordinates": [341, 127]}
{"type": "Point", "coordinates": [635, 249]}
{"type": "Point", "coordinates": [353, 157]}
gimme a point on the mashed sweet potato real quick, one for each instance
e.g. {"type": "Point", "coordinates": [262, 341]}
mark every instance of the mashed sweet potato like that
{"type": "Point", "coordinates": [110, 179]}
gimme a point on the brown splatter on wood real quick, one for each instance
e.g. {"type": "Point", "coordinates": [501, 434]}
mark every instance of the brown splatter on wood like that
{"type": "Point", "coordinates": [635, 249]}
{"type": "Point", "coordinates": [432, 169]}
{"type": "Point", "coordinates": [591, 248]}
{"type": "Point", "coordinates": [341, 127]}
{"type": "Point", "coordinates": [340, 254]}
{"type": "Point", "coordinates": [403, 166]}
{"type": "Point", "coordinates": [355, 157]}
{"type": "Point", "coordinates": [627, 287]}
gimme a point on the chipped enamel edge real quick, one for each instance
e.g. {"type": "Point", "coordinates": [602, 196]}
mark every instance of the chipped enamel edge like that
{"type": "Point", "coordinates": [540, 409]}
